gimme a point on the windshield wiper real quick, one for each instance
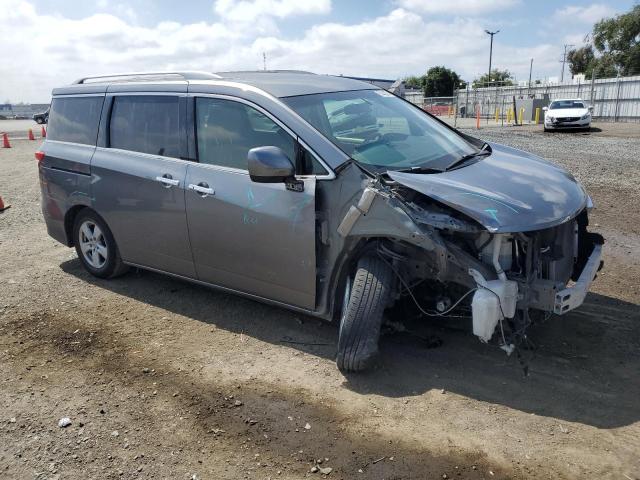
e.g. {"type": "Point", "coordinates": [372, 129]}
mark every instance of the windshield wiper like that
{"type": "Point", "coordinates": [420, 170]}
{"type": "Point", "coordinates": [480, 153]}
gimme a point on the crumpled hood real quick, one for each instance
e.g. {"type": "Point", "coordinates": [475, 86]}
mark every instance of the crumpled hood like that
{"type": "Point", "coordinates": [508, 191]}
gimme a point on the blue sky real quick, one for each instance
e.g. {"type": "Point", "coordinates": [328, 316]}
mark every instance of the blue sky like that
{"type": "Point", "coordinates": [51, 42]}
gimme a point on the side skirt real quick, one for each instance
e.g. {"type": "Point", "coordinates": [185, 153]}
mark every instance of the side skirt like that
{"type": "Point", "coordinates": [258, 298]}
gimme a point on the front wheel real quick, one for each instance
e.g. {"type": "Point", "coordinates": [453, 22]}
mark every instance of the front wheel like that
{"type": "Point", "coordinates": [39, 121]}
{"type": "Point", "coordinates": [366, 296]}
{"type": "Point", "coordinates": [95, 246]}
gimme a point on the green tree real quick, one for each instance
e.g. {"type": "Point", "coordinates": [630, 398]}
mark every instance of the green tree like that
{"type": "Point", "coordinates": [414, 82]}
{"type": "Point", "coordinates": [440, 82]}
{"type": "Point", "coordinates": [617, 48]}
{"type": "Point", "coordinates": [618, 40]}
{"type": "Point", "coordinates": [581, 60]}
{"type": "Point", "coordinates": [498, 77]}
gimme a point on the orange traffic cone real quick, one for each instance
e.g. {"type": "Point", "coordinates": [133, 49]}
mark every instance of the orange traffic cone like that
{"type": "Point", "coordinates": [31, 136]}
{"type": "Point", "coordinates": [44, 132]}
{"type": "Point", "coordinates": [5, 141]}
{"type": "Point", "coordinates": [3, 207]}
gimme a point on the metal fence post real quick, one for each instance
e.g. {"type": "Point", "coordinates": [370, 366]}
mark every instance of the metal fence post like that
{"type": "Point", "coordinates": [455, 107]}
{"type": "Point", "coordinates": [591, 96]}
{"type": "Point", "coordinates": [615, 111]}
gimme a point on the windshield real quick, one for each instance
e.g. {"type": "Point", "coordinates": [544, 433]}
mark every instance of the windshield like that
{"type": "Point", "coordinates": [559, 104]}
{"type": "Point", "coordinates": [379, 129]}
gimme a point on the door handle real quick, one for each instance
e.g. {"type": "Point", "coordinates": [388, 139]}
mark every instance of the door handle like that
{"type": "Point", "coordinates": [202, 189]}
{"type": "Point", "coordinates": [168, 181]}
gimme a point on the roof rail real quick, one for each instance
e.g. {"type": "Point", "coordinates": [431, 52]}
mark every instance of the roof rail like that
{"type": "Point", "coordinates": [266, 71]}
{"type": "Point", "coordinates": [133, 76]}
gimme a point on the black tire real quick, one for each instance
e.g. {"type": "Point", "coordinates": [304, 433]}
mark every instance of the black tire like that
{"type": "Point", "coordinates": [362, 316]}
{"type": "Point", "coordinates": [39, 121]}
{"type": "Point", "coordinates": [113, 265]}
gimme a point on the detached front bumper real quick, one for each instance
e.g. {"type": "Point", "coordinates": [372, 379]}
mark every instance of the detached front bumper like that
{"type": "Point", "coordinates": [572, 297]}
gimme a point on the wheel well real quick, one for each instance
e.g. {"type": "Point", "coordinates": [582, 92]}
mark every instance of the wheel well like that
{"type": "Point", "coordinates": [69, 220]}
{"type": "Point", "coordinates": [360, 248]}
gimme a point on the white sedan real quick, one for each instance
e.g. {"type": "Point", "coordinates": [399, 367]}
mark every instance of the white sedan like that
{"type": "Point", "coordinates": [568, 113]}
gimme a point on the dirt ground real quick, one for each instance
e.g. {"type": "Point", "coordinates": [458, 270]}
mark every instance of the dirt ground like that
{"type": "Point", "coordinates": [164, 379]}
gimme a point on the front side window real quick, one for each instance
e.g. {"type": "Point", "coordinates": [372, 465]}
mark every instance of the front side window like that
{"type": "Point", "coordinates": [75, 119]}
{"type": "Point", "coordinates": [146, 124]}
{"type": "Point", "coordinates": [380, 130]}
{"type": "Point", "coordinates": [227, 130]}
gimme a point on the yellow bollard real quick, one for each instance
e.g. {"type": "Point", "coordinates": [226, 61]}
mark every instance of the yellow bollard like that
{"type": "Point", "coordinates": [497, 114]}
{"type": "Point", "coordinates": [450, 111]}
{"type": "Point", "coordinates": [521, 116]}
{"type": "Point", "coordinates": [537, 119]}
{"type": "Point", "coordinates": [509, 115]}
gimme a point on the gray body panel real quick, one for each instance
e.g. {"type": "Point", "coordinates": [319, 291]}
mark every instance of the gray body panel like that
{"type": "Point", "coordinates": [252, 237]}
{"type": "Point", "coordinates": [508, 191]}
{"type": "Point", "coordinates": [64, 183]}
{"type": "Point", "coordinates": [289, 84]}
{"type": "Point", "coordinates": [147, 218]}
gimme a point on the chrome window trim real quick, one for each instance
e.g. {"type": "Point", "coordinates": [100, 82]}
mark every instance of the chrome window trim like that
{"type": "Point", "coordinates": [146, 94]}
{"type": "Point", "coordinates": [329, 176]}
{"type": "Point", "coordinates": [76, 95]}
{"type": "Point", "coordinates": [143, 154]}
{"type": "Point", "coordinates": [88, 145]}
{"type": "Point", "coordinates": [221, 168]}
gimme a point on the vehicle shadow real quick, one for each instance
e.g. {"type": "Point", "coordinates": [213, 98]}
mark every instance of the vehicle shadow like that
{"type": "Point", "coordinates": [566, 131]}
{"type": "Point", "coordinates": [584, 369]}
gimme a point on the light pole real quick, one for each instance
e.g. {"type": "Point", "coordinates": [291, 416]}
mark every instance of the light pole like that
{"type": "Point", "coordinates": [490, 51]}
{"type": "Point", "coordinates": [564, 60]}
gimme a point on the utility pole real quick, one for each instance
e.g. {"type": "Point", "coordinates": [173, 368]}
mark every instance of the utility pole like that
{"type": "Point", "coordinates": [264, 60]}
{"type": "Point", "coordinates": [490, 53]}
{"type": "Point", "coordinates": [530, 70]}
{"type": "Point", "coordinates": [564, 60]}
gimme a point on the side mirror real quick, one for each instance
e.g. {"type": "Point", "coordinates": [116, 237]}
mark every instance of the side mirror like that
{"type": "Point", "coordinates": [544, 109]}
{"type": "Point", "coordinates": [269, 165]}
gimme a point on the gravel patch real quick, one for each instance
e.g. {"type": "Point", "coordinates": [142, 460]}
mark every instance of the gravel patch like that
{"type": "Point", "coordinates": [595, 160]}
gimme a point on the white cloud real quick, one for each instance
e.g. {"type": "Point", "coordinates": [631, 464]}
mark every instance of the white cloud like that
{"type": "Point", "coordinates": [249, 10]}
{"type": "Point", "coordinates": [589, 14]}
{"type": "Point", "coordinates": [456, 7]}
{"type": "Point", "coordinates": [42, 51]}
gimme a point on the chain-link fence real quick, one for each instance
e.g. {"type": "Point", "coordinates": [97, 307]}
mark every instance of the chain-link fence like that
{"type": "Point", "coordinates": [612, 99]}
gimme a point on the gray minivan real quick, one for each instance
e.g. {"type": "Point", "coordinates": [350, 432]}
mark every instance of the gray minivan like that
{"type": "Point", "coordinates": [318, 193]}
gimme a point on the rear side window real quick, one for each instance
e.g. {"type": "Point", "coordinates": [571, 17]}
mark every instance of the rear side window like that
{"type": "Point", "coordinates": [146, 124]}
{"type": "Point", "coordinates": [75, 119]}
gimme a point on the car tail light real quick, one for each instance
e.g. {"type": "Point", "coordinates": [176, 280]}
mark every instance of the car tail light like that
{"type": "Point", "coordinates": [39, 156]}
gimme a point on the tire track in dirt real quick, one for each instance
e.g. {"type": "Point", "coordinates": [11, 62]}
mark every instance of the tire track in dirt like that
{"type": "Point", "coordinates": [259, 424]}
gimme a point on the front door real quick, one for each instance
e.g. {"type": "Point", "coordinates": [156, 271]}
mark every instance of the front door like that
{"type": "Point", "coordinates": [251, 237]}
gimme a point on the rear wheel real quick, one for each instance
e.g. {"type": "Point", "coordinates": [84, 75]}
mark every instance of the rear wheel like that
{"type": "Point", "coordinates": [96, 247]}
{"type": "Point", "coordinates": [39, 121]}
{"type": "Point", "coordinates": [366, 296]}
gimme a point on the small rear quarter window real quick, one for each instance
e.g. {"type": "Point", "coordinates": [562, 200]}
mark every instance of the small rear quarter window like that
{"type": "Point", "coordinates": [75, 119]}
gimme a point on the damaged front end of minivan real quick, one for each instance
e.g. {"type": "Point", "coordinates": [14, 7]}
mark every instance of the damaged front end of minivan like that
{"type": "Point", "coordinates": [506, 238]}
